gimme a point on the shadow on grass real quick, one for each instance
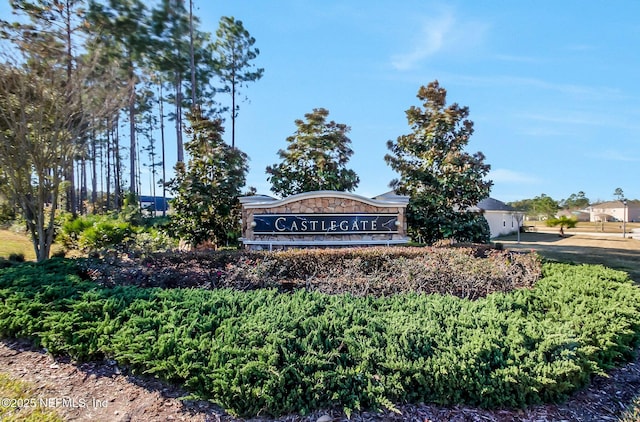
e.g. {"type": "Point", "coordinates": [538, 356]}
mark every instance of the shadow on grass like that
{"type": "Point", "coordinates": [617, 253]}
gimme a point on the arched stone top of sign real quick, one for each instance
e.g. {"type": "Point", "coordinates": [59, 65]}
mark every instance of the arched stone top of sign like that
{"type": "Point", "coordinates": [264, 202]}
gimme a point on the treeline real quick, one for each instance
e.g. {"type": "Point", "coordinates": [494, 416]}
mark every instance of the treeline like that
{"type": "Point", "coordinates": [131, 70]}
{"type": "Point", "coordinates": [87, 86]}
{"type": "Point", "coordinates": [544, 206]}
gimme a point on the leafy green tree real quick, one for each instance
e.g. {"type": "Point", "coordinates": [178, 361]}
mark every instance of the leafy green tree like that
{"type": "Point", "coordinates": [544, 207]}
{"type": "Point", "coordinates": [619, 194]}
{"type": "Point", "coordinates": [442, 180]}
{"type": "Point", "coordinates": [575, 201]}
{"type": "Point", "coordinates": [54, 25]}
{"type": "Point", "coordinates": [525, 205]}
{"type": "Point", "coordinates": [315, 158]}
{"type": "Point", "coordinates": [206, 190]}
{"type": "Point", "coordinates": [234, 52]}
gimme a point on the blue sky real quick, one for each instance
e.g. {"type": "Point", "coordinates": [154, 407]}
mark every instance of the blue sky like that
{"type": "Point", "coordinates": [553, 87]}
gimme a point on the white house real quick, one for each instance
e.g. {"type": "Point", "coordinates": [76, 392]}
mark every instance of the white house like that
{"type": "Point", "coordinates": [502, 218]}
{"type": "Point", "coordinates": [615, 211]}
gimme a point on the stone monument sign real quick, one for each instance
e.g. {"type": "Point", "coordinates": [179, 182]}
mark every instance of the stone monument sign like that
{"type": "Point", "coordinates": [323, 219]}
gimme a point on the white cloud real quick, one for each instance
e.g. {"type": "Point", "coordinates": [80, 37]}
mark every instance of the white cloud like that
{"type": "Point", "coordinates": [504, 176]}
{"type": "Point", "coordinates": [612, 155]}
{"type": "Point", "coordinates": [431, 40]}
{"type": "Point", "coordinates": [589, 118]}
{"type": "Point", "coordinates": [518, 59]}
{"type": "Point", "coordinates": [600, 93]}
{"type": "Point", "coordinates": [445, 32]}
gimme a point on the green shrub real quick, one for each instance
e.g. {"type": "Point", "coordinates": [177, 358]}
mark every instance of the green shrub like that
{"type": "Point", "coordinates": [107, 234]}
{"type": "Point", "coordinates": [7, 212]}
{"type": "Point", "coordinates": [59, 254]}
{"type": "Point", "coordinates": [263, 352]}
{"type": "Point", "coordinates": [5, 263]}
{"type": "Point", "coordinates": [16, 257]}
{"type": "Point", "coordinates": [113, 234]}
{"type": "Point", "coordinates": [152, 240]}
{"type": "Point", "coordinates": [71, 229]}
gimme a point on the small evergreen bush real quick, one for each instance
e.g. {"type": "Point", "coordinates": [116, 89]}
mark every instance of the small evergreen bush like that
{"type": "Point", "coordinates": [16, 257]}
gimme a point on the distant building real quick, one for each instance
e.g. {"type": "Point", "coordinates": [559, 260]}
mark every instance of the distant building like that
{"type": "Point", "coordinates": [502, 218]}
{"type": "Point", "coordinates": [154, 203]}
{"type": "Point", "coordinates": [579, 215]}
{"type": "Point", "coordinates": [615, 211]}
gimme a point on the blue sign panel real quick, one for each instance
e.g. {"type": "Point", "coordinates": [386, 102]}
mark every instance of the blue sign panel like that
{"type": "Point", "coordinates": [325, 223]}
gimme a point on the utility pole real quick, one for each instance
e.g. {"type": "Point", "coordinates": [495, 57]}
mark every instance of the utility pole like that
{"type": "Point", "coordinates": [624, 219]}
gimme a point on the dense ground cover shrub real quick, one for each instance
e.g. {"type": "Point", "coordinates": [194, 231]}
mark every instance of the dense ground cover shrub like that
{"type": "Point", "coordinates": [263, 351]}
{"type": "Point", "coordinates": [467, 272]}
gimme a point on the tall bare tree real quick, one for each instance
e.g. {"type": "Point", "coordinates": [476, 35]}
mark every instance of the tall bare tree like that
{"type": "Point", "coordinates": [42, 115]}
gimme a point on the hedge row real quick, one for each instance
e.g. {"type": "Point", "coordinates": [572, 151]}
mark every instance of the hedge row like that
{"type": "Point", "coordinates": [263, 352]}
{"type": "Point", "coordinates": [469, 272]}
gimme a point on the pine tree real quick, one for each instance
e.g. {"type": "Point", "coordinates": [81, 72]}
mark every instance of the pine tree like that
{"type": "Point", "coordinates": [123, 24]}
{"type": "Point", "coordinates": [234, 52]}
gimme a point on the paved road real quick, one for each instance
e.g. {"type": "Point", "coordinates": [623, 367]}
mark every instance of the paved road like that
{"type": "Point", "coordinates": [630, 234]}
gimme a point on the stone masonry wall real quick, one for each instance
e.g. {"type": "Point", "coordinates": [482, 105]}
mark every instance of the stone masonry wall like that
{"type": "Point", "coordinates": [324, 205]}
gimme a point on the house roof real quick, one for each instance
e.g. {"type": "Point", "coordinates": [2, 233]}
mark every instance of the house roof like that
{"type": "Point", "coordinates": [391, 195]}
{"type": "Point", "coordinates": [491, 204]}
{"type": "Point", "coordinates": [264, 201]}
{"type": "Point", "coordinates": [616, 204]}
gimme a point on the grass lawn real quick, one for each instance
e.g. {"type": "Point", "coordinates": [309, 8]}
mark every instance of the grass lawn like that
{"type": "Point", "coordinates": [587, 227]}
{"type": "Point", "coordinates": [16, 243]}
{"type": "Point", "coordinates": [19, 403]}
{"type": "Point", "coordinates": [613, 252]}
{"type": "Point", "coordinates": [19, 243]}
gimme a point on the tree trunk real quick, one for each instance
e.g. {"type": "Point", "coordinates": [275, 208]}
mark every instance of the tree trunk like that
{"type": "Point", "coordinates": [132, 129]}
{"type": "Point", "coordinates": [83, 185]}
{"type": "Point", "coordinates": [233, 114]}
{"type": "Point", "coordinates": [164, 159]}
{"type": "Point", "coordinates": [94, 172]}
{"type": "Point", "coordinates": [192, 57]}
{"type": "Point", "coordinates": [71, 199]}
{"type": "Point", "coordinates": [179, 117]}
{"type": "Point", "coordinates": [108, 143]}
{"type": "Point", "coordinates": [117, 190]}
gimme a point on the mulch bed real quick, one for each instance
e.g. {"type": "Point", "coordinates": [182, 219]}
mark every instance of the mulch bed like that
{"type": "Point", "coordinates": [135, 398]}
